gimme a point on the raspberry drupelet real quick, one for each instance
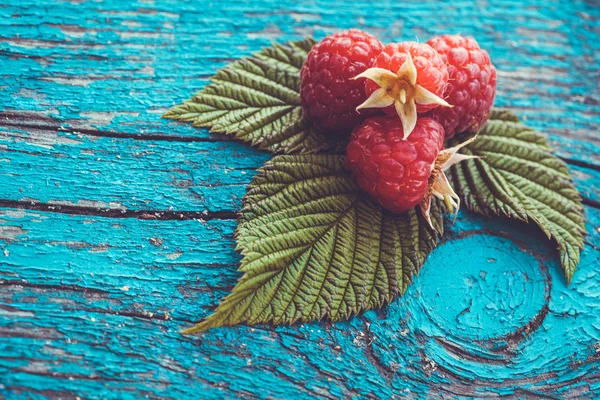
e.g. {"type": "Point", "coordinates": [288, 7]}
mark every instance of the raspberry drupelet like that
{"type": "Point", "coordinates": [328, 94]}
{"type": "Point", "coordinates": [471, 86]}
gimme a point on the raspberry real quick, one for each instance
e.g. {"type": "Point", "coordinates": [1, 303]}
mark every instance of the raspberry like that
{"type": "Point", "coordinates": [329, 96]}
{"type": "Point", "coordinates": [471, 87]}
{"type": "Point", "coordinates": [405, 79]}
{"type": "Point", "coordinates": [401, 173]}
{"type": "Point", "coordinates": [394, 170]}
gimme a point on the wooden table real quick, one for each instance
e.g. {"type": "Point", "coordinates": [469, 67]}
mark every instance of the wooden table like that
{"type": "Point", "coordinates": [116, 225]}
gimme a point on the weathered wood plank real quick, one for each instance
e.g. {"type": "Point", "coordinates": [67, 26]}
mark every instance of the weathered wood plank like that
{"type": "Point", "coordinates": [163, 175]}
{"type": "Point", "coordinates": [95, 302]}
{"type": "Point", "coordinates": [125, 174]}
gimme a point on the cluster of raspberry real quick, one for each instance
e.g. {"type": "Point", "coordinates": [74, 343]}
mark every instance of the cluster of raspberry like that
{"type": "Point", "coordinates": [399, 103]}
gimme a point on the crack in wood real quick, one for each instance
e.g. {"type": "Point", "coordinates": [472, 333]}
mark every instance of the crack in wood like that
{"type": "Point", "coordinates": [582, 164]}
{"type": "Point", "coordinates": [590, 203]}
{"type": "Point", "coordinates": [61, 287]}
{"type": "Point", "coordinates": [30, 120]}
{"type": "Point", "coordinates": [119, 213]}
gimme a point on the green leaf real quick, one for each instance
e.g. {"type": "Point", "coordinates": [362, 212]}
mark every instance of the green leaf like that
{"type": "Point", "coordinates": [256, 99]}
{"type": "Point", "coordinates": [519, 177]}
{"type": "Point", "coordinates": [315, 247]}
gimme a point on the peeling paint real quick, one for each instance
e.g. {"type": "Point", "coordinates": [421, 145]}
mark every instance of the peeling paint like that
{"type": "Point", "coordinates": [10, 233]}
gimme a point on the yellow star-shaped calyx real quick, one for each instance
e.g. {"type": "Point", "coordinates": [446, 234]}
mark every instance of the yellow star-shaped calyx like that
{"type": "Point", "coordinates": [400, 89]}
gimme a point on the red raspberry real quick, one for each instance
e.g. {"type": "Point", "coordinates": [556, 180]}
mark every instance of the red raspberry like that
{"type": "Point", "coordinates": [471, 87]}
{"type": "Point", "coordinates": [394, 170]}
{"type": "Point", "coordinates": [405, 79]}
{"type": "Point", "coordinates": [328, 93]}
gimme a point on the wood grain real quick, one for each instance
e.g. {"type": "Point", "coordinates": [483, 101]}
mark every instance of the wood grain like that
{"type": "Point", "coordinates": [116, 226]}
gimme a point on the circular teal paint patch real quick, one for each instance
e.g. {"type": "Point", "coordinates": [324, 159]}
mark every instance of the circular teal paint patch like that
{"type": "Point", "coordinates": [482, 288]}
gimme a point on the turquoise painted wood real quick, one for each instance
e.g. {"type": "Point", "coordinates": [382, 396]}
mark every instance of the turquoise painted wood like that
{"type": "Point", "coordinates": [116, 226]}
